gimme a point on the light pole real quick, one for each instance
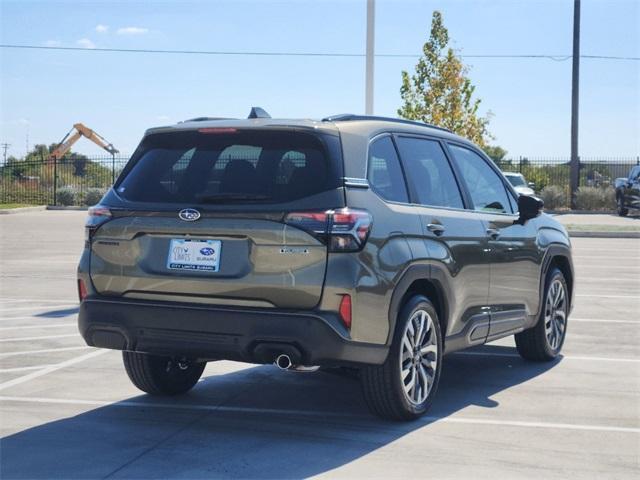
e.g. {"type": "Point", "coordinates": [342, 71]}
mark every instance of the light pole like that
{"type": "Point", "coordinates": [574, 176]}
{"type": "Point", "coordinates": [371, 14]}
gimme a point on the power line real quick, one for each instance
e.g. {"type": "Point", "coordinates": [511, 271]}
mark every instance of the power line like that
{"type": "Point", "coordinates": [558, 58]}
{"type": "Point", "coordinates": [5, 147]}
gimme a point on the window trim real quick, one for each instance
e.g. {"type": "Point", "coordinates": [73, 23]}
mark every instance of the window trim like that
{"type": "Point", "coordinates": [505, 183]}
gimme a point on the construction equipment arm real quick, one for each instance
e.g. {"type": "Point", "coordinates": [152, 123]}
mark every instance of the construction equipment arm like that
{"type": "Point", "coordinates": [81, 131]}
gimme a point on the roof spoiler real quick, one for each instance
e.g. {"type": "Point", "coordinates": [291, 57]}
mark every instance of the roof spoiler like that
{"type": "Point", "coordinates": [257, 112]}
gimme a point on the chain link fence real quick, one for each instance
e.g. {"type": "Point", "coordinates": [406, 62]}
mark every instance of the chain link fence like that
{"type": "Point", "coordinates": [82, 181]}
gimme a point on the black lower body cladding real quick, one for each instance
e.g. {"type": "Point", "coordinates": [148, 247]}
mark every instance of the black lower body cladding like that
{"type": "Point", "coordinates": [215, 333]}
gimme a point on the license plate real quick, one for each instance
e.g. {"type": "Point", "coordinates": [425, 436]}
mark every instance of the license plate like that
{"type": "Point", "coordinates": [195, 255]}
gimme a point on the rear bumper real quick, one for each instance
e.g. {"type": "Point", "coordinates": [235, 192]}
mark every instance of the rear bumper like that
{"type": "Point", "coordinates": [215, 333]}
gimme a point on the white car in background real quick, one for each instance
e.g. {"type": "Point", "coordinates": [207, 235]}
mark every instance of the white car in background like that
{"type": "Point", "coordinates": [519, 183]}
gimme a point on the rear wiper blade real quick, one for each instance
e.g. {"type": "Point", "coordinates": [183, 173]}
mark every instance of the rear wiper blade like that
{"type": "Point", "coordinates": [230, 197]}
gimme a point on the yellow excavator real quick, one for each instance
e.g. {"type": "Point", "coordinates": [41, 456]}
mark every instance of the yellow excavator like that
{"type": "Point", "coordinates": [72, 137]}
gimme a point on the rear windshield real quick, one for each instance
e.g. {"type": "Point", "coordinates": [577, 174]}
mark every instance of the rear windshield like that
{"type": "Point", "coordinates": [229, 166]}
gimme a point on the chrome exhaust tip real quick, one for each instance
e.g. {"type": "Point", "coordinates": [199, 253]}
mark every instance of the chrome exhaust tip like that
{"type": "Point", "coordinates": [283, 362]}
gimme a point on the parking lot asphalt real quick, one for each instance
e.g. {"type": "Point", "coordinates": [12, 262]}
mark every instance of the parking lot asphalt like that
{"type": "Point", "coordinates": [69, 411]}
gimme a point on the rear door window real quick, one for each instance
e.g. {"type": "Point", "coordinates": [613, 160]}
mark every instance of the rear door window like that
{"type": "Point", "coordinates": [384, 172]}
{"type": "Point", "coordinates": [234, 166]}
{"type": "Point", "coordinates": [429, 172]}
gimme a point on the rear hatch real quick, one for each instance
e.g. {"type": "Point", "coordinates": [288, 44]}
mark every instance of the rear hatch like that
{"type": "Point", "coordinates": [221, 216]}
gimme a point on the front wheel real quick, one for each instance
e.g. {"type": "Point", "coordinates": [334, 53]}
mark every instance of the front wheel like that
{"type": "Point", "coordinates": [622, 211]}
{"type": "Point", "coordinates": [403, 387]}
{"type": "Point", "coordinates": [159, 375]}
{"type": "Point", "coordinates": [544, 341]}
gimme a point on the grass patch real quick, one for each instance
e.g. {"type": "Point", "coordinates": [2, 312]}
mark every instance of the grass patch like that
{"type": "Point", "coordinates": [6, 206]}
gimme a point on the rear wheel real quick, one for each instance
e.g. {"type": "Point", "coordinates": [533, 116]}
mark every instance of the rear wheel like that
{"type": "Point", "coordinates": [161, 375]}
{"type": "Point", "coordinates": [544, 341]}
{"type": "Point", "coordinates": [403, 387]}
{"type": "Point", "coordinates": [622, 211]}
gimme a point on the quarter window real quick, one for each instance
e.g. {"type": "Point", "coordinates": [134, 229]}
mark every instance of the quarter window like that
{"type": "Point", "coordinates": [429, 172]}
{"type": "Point", "coordinates": [384, 172]}
{"type": "Point", "coordinates": [487, 191]}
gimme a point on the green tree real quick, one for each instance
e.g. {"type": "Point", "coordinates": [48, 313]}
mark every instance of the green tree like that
{"type": "Point", "coordinates": [495, 152]}
{"type": "Point", "coordinates": [439, 92]}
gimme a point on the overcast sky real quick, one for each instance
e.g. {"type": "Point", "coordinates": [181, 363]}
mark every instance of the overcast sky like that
{"type": "Point", "coordinates": [121, 94]}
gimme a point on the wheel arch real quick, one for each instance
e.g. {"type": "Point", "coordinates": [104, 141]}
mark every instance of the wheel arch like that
{"type": "Point", "coordinates": [418, 280]}
{"type": "Point", "coordinates": [559, 256]}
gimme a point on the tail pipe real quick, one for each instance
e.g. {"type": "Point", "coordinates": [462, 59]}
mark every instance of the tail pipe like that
{"type": "Point", "coordinates": [284, 362]}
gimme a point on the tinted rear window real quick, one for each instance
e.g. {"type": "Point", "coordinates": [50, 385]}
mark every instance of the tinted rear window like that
{"type": "Point", "coordinates": [249, 166]}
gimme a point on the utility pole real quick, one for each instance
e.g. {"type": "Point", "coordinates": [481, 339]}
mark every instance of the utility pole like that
{"type": "Point", "coordinates": [371, 21]}
{"type": "Point", "coordinates": [5, 147]}
{"type": "Point", "coordinates": [575, 86]}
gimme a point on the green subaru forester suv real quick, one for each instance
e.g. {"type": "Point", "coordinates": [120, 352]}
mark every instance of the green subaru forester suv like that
{"type": "Point", "coordinates": [370, 243]}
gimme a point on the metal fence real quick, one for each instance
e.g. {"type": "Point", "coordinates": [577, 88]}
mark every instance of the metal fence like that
{"type": "Point", "coordinates": [69, 181]}
{"type": "Point", "coordinates": [82, 181]}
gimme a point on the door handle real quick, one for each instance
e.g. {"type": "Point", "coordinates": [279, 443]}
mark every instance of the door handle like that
{"type": "Point", "coordinates": [493, 233]}
{"type": "Point", "coordinates": [436, 228]}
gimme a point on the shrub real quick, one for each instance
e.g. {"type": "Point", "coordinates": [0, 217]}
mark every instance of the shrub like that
{"type": "Point", "coordinates": [554, 197]}
{"type": "Point", "coordinates": [609, 197]}
{"type": "Point", "coordinates": [66, 196]}
{"type": "Point", "coordinates": [595, 198]}
{"type": "Point", "coordinates": [93, 196]}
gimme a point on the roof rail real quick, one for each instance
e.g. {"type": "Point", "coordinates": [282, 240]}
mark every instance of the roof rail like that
{"type": "Point", "coordinates": [345, 117]}
{"type": "Point", "coordinates": [204, 119]}
{"type": "Point", "coordinates": [257, 112]}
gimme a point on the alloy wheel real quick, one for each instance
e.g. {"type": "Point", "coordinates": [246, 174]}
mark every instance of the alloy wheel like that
{"type": "Point", "coordinates": [418, 357]}
{"type": "Point", "coordinates": [555, 314]}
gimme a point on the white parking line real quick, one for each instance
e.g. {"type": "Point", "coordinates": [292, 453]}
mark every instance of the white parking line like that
{"type": "Point", "coordinates": [44, 337]}
{"type": "Point", "coordinates": [635, 297]}
{"type": "Point", "coordinates": [52, 368]}
{"type": "Point", "coordinates": [32, 317]}
{"type": "Point", "coordinates": [43, 301]}
{"type": "Point", "coordinates": [48, 350]}
{"type": "Point", "coordinates": [596, 320]}
{"type": "Point", "coordinates": [34, 327]}
{"type": "Point", "coordinates": [564, 357]}
{"type": "Point", "coordinates": [309, 413]}
{"type": "Point", "coordinates": [45, 308]}
{"type": "Point", "coordinates": [21, 369]}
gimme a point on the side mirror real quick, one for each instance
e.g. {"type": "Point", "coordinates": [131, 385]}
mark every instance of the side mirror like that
{"type": "Point", "coordinates": [528, 207]}
{"type": "Point", "coordinates": [532, 185]}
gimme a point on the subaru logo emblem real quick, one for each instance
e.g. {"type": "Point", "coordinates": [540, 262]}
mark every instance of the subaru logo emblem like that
{"type": "Point", "coordinates": [189, 215]}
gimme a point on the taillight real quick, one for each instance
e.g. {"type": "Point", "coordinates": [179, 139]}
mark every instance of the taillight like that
{"type": "Point", "coordinates": [98, 214]}
{"type": "Point", "coordinates": [345, 310]}
{"type": "Point", "coordinates": [343, 230]}
{"type": "Point", "coordinates": [82, 290]}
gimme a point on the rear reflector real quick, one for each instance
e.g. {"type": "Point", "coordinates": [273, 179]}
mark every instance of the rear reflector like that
{"type": "Point", "coordinates": [345, 310]}
{"type": "Point", "coordinates": [82, 290]}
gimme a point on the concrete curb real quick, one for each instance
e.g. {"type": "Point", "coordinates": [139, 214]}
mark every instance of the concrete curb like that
{"type": "Point", "coordinates": [578, 234]}
{"type": "Point", "coordinates": [61, 207]}
{"type": "Point", "coordinates": [11, 211]}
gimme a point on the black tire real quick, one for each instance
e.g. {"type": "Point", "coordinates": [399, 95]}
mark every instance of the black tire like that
{"type": "Point", "coordinates": [622, 211]}
{"type": "Point", "coordinates": [534, 344]}
{"type": "Point", "coordinates": [158, 375]}
{"type": "Point", "coordinates": [383, 385]}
